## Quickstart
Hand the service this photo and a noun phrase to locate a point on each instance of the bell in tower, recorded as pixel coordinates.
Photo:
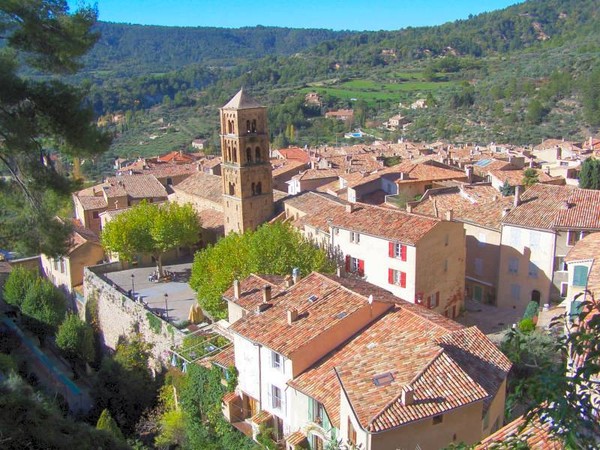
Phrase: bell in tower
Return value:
(246, 169)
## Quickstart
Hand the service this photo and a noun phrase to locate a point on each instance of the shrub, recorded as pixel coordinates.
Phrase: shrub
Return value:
(531, 311)
(107, 423)
(43, 308)
(76, 339)
(527, 325)
(17, 284)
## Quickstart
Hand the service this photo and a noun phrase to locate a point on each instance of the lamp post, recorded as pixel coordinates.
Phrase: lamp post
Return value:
(167, 306)
(132, 287)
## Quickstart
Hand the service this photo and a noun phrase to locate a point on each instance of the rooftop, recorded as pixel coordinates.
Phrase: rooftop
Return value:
(242, 100)
(203, 185)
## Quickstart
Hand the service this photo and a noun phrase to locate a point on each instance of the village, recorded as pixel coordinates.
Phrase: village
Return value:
(437, 257)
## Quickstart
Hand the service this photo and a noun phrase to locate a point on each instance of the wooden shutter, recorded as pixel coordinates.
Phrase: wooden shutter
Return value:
(580, 275)
(392, 248)
(403, 279)
(361, 268)
(347, 263)
(403, 252)
(391, 276)
(437, 298)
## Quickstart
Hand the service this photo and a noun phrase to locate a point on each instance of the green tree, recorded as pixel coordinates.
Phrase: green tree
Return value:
(152, 229)
(17, 284)
(43, 117)
(107, 423)
(506, 189)
(76, 339)
(43, 308)
(271, 249)
(530, 177)
(589, 177)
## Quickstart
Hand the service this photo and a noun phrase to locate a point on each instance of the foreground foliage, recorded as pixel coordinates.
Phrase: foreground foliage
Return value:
(76, 339)
(271, 249)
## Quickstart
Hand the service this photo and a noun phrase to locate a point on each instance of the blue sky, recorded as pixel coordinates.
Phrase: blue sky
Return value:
(331, 14)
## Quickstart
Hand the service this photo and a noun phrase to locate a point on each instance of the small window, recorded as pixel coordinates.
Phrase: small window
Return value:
(438, 419)
(351, 433)
(276, 362)
(559, 264)
(397, 277)
(564, 288)
(515, 291)
(383, 379)
(257, 154)
(580, 276)
(533, 270)
(96, 215)
(513, 265)
(354, 237)
(249, 154)
(573, 237)
(276, 398)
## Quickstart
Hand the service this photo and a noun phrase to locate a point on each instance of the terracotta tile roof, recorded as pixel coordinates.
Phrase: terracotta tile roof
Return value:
(251, 290)
(203, 185)
(295, 153)
(80, 236)
(317, 174)
(225, 358)
(135, 187)
(261, 417)
(537, 435)
(228, 397)
(478, 204)
(89, 202)
(212, 219)
(211, 162)
(271, 327)
(515, 175)
(427, 355)
(296, 438)
(427, 171)
(284, 166)
(553, 143)
(544, 206)
(171, 170)
(176, 157)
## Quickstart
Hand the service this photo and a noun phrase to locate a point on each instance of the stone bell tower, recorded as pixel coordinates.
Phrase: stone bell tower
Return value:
(246, 169)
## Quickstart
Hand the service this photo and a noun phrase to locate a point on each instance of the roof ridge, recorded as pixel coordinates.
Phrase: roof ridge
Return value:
(415, 313)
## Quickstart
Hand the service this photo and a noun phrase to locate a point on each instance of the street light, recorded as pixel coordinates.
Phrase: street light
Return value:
(167, 306)
(132, 287)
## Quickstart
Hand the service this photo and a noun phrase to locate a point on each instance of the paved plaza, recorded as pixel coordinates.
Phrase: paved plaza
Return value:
(179, 295)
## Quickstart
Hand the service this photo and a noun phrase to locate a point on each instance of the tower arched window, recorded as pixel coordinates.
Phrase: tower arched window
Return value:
(231, 189)
(247, 126)
(230, 127)
(229, 153)
(258, 188)
(253, 187)
(257, 154)
(234, 154)
(249, 154)
(253, 127)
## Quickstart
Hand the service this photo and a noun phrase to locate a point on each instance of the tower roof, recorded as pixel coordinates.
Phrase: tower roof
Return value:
(242, 100)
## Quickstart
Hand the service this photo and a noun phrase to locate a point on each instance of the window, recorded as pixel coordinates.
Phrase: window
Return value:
(355, 265)
(580, 275)
(446, 240)
(397, 277)
(276, 398)
(249, 154)
(515, 291)
(559, 264)
(96, 215)
(438, 419)
(478, 266)
(574, 236)
(446, 265)
(62, 265)
(533, 270)
(276, 362)
(257, 154)
(397, 251)
(351, 432)
(354, 237)
(564, 288)
(258, 188)
(55, 264)
(513, 265)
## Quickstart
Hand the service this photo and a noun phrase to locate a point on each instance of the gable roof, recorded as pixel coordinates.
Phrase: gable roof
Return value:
(537, 434)
(551, 207)
(203, 185)
(242, 100)
(134, 186)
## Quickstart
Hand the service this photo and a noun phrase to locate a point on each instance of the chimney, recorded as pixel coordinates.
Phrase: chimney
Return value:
(517, 195)
(505, 211)
(449, 215)
(236, 289)
(469, 172)
(565, 205)
(266, 293)
(349, 208)
(288, 281)
(409, 208)
(292, 316)
(338, 271)
(408, 395)
(295, 274)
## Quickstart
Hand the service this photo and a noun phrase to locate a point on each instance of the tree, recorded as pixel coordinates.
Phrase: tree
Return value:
(17, 284)
(76, 339)
(152, 229)
(589, 177)
(271, 249)
(506, 189)
(42, 117)
(530, 177)
(43, 308)
(107, 423)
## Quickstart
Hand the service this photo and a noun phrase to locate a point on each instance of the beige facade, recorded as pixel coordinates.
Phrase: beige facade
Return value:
(246, 170)
(483, 255)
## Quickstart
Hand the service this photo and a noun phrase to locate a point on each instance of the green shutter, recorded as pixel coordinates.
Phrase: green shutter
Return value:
(580, 276)
(311, 409)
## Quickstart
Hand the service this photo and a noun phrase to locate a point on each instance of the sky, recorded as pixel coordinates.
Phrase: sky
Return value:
(331, 14)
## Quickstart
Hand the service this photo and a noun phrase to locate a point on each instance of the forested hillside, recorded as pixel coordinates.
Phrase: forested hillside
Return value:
(519, 75)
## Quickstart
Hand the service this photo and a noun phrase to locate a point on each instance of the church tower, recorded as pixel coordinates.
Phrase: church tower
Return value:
(246, 169)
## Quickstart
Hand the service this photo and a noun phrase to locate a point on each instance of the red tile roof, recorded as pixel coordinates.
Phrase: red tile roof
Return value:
(536, 434)
(557, 207)
(203, 185)
(295, 153)
(251, 289)
(134, 186)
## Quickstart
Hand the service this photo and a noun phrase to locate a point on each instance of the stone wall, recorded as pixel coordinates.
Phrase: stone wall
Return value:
(118, 316)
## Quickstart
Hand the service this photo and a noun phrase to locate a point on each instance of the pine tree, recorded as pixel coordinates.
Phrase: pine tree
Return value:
(107, 423)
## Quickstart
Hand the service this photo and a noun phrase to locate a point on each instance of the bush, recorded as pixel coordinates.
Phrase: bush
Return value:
(43, 308)
(76, 339)
(531, 311)
(526, 325)
(17, 284)
(107, 423)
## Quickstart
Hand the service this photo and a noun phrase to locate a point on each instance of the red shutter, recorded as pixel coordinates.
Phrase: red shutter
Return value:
(403, 252)
(361, 268)
(347, 263)
(403, 279)
(391, 276)
(391, 247)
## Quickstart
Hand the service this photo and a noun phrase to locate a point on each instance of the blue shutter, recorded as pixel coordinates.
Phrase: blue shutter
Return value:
(580, 276)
